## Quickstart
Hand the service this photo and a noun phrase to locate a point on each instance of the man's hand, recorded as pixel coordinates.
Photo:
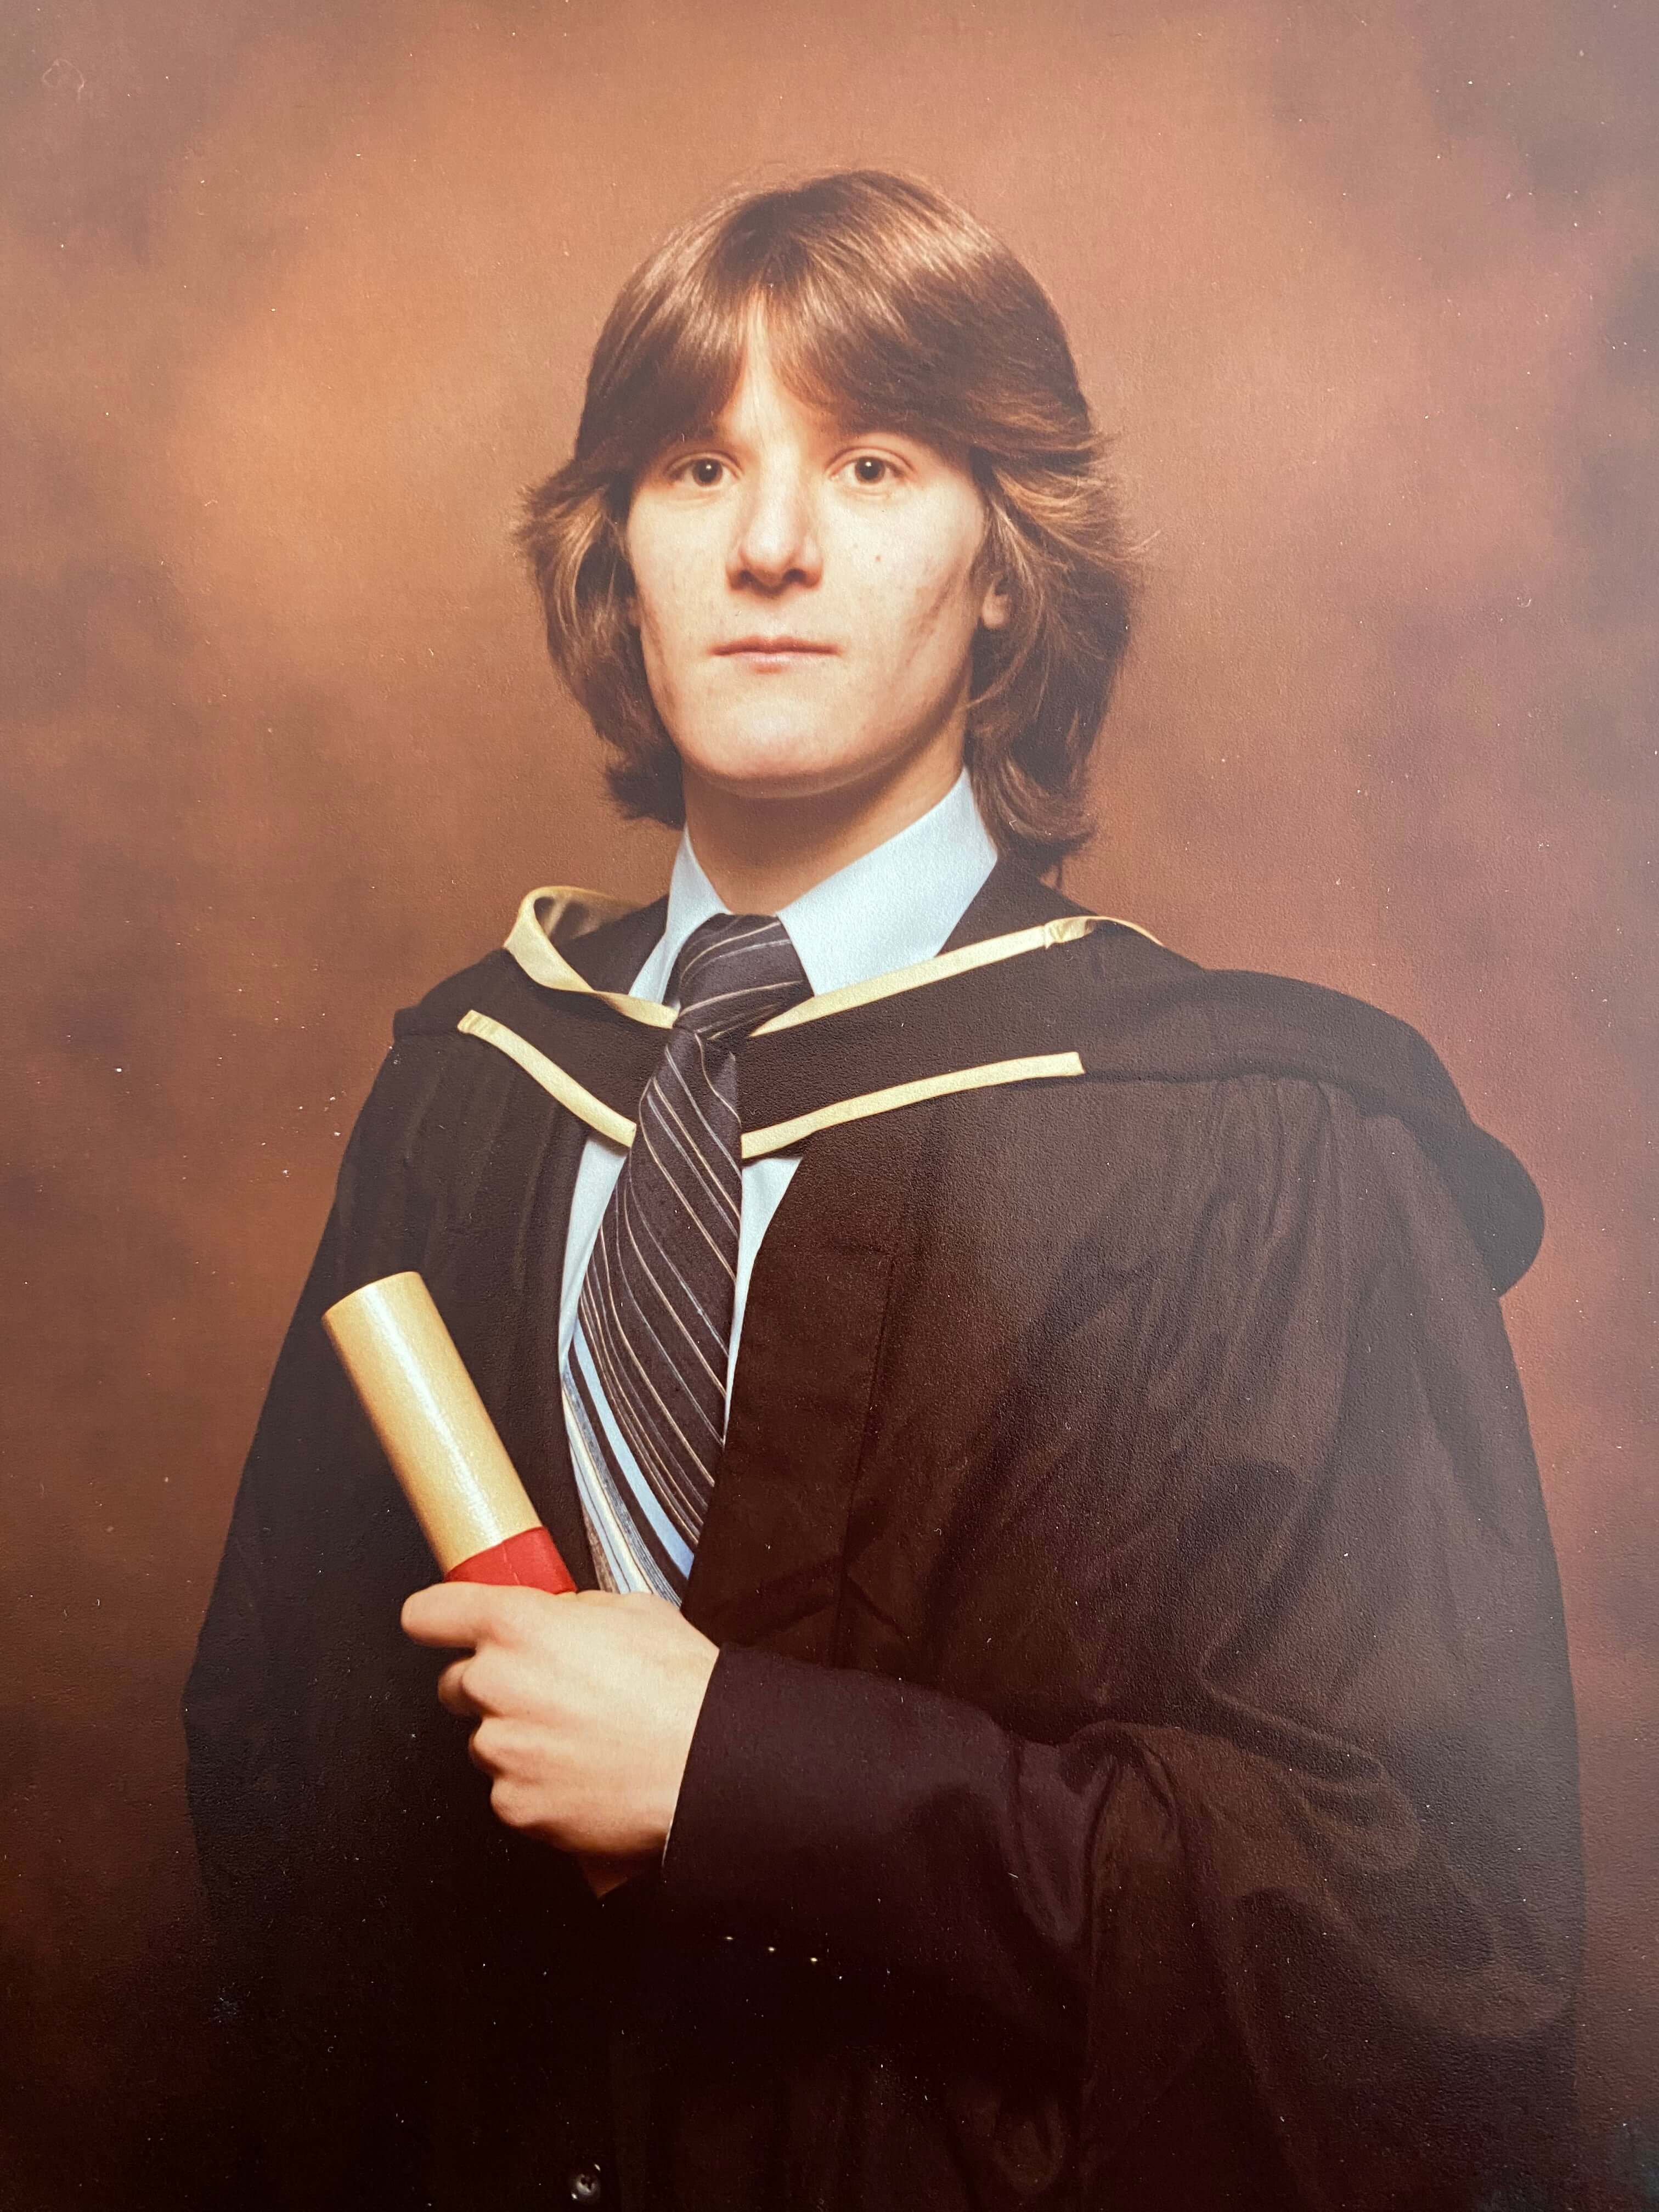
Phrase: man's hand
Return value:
(586, 1706)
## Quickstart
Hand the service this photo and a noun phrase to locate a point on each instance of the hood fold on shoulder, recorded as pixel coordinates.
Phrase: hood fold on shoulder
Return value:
(1060, 995)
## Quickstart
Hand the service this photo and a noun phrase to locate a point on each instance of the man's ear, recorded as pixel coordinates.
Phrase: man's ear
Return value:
(995, 608)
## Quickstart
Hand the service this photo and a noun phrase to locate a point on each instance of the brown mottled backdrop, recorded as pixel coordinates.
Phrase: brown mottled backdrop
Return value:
(298, 297)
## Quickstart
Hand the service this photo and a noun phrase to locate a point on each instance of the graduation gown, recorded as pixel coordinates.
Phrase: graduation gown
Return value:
(1140, 1767)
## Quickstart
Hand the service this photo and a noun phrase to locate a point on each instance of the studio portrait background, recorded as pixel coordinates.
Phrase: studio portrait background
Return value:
(301, 297)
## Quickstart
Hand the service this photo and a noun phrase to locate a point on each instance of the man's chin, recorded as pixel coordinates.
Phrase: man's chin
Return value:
(768, 770)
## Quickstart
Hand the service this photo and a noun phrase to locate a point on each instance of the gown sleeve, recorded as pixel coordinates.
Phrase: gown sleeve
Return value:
(241, 1704)
(1333, 1857)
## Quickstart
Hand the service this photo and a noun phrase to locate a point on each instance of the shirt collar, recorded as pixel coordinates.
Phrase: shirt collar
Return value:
(891, 907)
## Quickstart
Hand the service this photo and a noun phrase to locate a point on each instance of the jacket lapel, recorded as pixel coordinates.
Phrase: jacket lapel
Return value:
(768, 1565)
(532, 1418)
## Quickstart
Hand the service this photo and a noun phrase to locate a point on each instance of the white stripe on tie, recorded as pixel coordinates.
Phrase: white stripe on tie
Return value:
(654, 1321)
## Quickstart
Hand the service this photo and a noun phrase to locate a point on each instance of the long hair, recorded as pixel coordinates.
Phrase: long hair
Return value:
(892, 308)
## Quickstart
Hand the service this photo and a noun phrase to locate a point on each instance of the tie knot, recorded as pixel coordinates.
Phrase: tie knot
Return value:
(735, 972)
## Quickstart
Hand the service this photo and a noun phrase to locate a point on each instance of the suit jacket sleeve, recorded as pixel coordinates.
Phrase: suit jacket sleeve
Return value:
(1334, 1831)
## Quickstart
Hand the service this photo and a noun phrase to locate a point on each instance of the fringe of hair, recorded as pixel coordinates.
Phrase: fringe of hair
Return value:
(897, 279)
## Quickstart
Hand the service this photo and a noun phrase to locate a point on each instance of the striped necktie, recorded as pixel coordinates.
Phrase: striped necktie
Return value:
(644, 1380)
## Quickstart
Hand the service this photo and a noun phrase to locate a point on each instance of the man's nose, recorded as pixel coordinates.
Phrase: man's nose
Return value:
(776, 539)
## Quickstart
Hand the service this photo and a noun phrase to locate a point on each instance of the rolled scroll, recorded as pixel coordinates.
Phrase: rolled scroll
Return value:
(442, 1444)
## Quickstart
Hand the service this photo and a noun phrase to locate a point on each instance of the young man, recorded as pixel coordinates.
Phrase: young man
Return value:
(1068, 1703)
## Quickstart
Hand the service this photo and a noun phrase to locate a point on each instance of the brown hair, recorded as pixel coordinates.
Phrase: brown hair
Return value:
(894, 309)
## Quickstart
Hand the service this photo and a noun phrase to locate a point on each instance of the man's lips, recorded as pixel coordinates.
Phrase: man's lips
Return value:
(771, 647)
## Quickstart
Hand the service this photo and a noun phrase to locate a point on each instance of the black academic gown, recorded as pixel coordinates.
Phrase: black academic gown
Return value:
(1140, 1767)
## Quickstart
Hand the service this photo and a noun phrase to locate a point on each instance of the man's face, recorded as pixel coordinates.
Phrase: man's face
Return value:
(805, 598)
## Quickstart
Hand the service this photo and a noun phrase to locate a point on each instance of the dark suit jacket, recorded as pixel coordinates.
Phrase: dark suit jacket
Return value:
(1140, 1767)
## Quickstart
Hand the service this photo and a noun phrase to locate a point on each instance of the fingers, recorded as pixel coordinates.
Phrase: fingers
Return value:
(491, 1746)
(503, 1632)
(499, 1749)
(453, 1694)
(448, 1615)
(489, 1681)
(451, 1616)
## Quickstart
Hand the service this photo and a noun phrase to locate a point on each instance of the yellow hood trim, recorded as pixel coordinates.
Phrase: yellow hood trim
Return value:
(780, 1136)
(555, 914)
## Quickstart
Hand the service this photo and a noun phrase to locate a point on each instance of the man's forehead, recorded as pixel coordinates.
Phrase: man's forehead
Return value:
(830, 416)
(832, 412)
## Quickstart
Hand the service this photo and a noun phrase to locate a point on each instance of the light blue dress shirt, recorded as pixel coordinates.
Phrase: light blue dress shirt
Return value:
(893, 907)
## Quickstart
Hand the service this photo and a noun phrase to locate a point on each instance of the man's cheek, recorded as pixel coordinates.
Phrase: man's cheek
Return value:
(938, 594)
(661, 671)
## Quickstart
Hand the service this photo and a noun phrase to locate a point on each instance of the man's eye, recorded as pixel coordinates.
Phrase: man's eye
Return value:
(705, 471)
(872, 469)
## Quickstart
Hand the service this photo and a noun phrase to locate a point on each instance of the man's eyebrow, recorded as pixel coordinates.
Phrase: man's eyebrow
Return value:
(851, 425)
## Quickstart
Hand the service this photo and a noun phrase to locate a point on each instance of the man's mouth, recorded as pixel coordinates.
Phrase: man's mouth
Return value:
(780, 647)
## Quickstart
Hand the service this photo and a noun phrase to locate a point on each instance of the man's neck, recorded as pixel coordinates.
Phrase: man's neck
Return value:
(761, 854)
